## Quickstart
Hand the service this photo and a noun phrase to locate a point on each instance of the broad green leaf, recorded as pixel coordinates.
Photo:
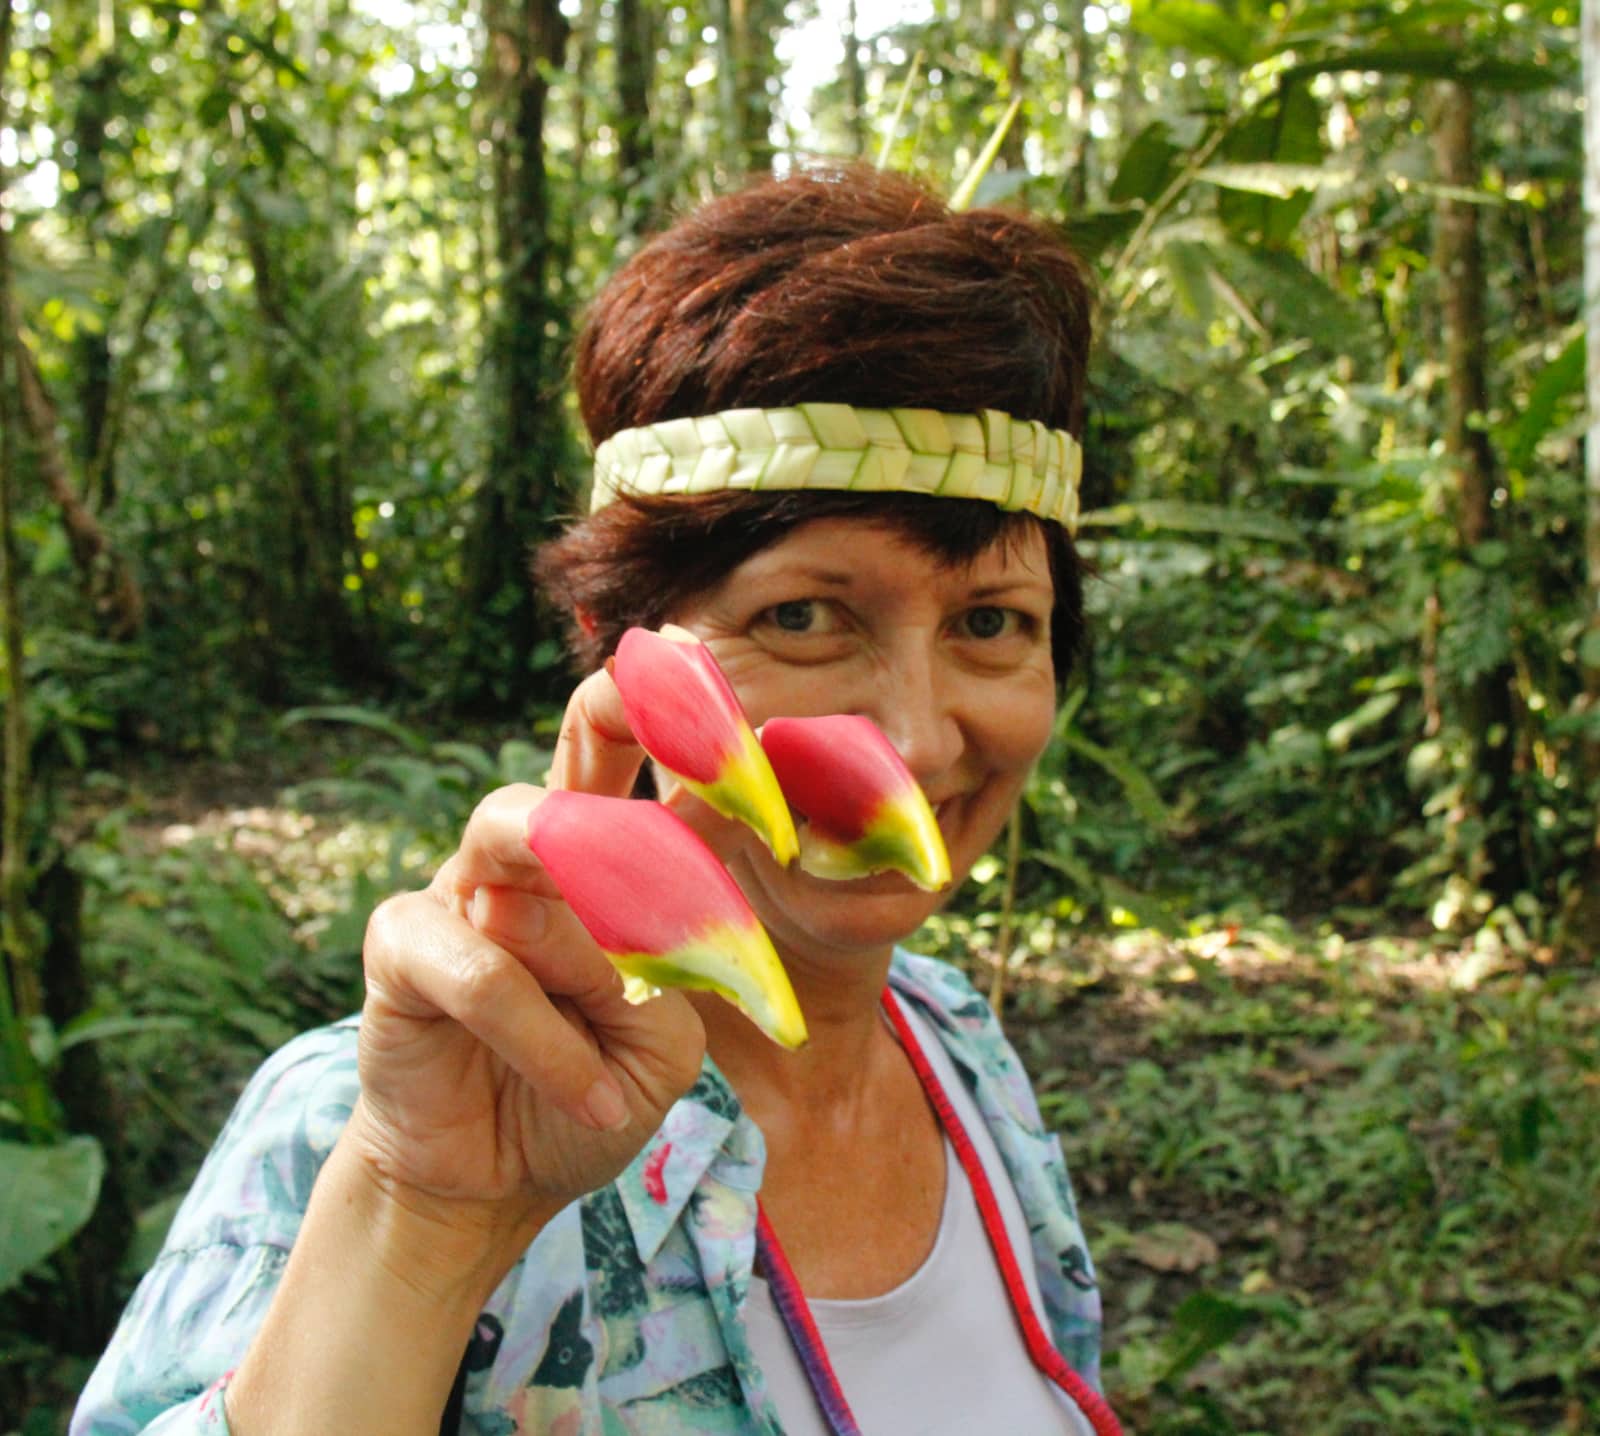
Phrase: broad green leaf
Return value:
(1141, 792)
(268, 1032)
(1147, 165)
(1201, 1324)
(46, 1195)
(1562, 376)
(359, 718)
(1439, 62)
(478, 762)
(1093, 231)
(95, 1028)
(1282, 181)
(1286, 129)
(1000, 185)
(519, 761)
(1071, 867)
(1147, 911)
(1368, 715)
(1292, 301)
(1199, 27)
(1589, 649)
(1187, 517)
(1189, 269)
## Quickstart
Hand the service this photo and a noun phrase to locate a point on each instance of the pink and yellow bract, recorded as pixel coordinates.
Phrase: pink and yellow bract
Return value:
(865, 812)
(687, 717)
(661, 906)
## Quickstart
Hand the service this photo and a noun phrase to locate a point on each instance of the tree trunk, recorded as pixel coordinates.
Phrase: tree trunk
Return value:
(741, 85)
(1582, 919)
(519, 498)
(1079, 98)
(88, 1300)
(103, 574)
(319, 529)
(1486, 711)
(1000, 19)
(21, 990)
(640, 200)
(96, 101)
(855, 81)
(20, 994)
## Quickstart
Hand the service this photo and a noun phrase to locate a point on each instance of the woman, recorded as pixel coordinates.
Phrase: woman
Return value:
(627, 1216)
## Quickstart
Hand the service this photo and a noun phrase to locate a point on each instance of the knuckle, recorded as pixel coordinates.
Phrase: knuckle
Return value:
(389, 923)
(482, 977)
(512, 796)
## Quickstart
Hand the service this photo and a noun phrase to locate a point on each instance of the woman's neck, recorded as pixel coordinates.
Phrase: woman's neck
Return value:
(841, 1000)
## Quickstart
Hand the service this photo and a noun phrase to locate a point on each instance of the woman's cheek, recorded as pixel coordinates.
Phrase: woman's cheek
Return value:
(1024, 719)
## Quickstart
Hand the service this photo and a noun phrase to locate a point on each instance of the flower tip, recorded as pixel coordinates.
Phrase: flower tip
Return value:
(867, 813)
(684, 712)
(660, 906)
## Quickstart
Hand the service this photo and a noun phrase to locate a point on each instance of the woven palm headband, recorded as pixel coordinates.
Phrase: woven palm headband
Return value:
(1015, 463)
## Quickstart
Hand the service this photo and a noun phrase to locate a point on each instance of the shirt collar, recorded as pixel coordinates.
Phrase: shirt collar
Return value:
(707, 1126)
(704, 1127)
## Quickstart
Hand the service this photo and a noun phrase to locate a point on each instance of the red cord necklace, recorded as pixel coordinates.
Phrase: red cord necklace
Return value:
(795, 1312)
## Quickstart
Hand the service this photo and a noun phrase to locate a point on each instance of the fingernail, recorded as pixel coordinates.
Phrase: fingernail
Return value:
(607, 1111)
(478, 909)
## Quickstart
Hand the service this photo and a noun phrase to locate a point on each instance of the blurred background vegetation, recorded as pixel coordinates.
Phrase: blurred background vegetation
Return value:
(1296, 927)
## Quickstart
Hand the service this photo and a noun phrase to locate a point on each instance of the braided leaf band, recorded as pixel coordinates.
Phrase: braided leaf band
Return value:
(1015, 463)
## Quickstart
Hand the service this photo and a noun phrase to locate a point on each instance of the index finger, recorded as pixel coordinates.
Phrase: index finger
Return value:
(596, 752)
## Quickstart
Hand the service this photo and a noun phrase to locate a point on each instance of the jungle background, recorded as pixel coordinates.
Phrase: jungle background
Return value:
(1296, 925)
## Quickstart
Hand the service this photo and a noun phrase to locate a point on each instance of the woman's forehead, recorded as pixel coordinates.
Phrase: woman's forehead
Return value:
(840, 551)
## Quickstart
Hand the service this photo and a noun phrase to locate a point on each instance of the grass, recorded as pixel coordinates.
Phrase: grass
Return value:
(1332, 1187)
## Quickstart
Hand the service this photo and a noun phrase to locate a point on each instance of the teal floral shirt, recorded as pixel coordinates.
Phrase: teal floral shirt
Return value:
(624, 1316)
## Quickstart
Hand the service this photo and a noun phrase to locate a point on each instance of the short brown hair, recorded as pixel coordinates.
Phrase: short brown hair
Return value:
(842, 285)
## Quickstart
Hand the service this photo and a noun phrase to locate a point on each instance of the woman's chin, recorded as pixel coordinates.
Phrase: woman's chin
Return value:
(851, 915)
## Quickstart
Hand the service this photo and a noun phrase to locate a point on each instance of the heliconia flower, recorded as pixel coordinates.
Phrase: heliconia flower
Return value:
(687, 717)
(864, 811)
(660, 905)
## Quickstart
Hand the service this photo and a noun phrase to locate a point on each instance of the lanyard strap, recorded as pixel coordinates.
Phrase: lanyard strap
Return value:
(795, 1312)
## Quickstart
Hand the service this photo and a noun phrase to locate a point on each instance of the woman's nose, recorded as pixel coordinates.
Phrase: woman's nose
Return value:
(910, 703)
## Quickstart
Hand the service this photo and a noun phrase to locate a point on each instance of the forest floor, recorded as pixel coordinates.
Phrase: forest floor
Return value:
(1332, 1185)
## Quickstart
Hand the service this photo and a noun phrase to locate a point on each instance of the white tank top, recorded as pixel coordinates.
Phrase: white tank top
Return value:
(941, 1354)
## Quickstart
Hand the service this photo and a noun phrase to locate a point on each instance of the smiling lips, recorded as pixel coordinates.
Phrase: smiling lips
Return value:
(650, 892)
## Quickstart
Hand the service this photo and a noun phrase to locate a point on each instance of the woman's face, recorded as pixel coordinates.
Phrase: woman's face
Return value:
(953, 663)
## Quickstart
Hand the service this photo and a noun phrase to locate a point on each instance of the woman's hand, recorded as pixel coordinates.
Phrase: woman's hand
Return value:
(500, 1063)
(502, 1076)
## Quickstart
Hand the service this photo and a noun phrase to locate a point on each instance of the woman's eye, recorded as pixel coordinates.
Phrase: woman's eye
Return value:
(991, 622)
(795, 616)
(811, 617)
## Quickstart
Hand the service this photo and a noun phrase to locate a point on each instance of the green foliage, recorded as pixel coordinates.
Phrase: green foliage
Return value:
(424, 793)
(1378, 1164)
(46, 1195)
(263, 292)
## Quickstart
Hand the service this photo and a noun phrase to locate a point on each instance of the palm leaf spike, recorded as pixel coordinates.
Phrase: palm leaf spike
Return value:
(980, 166)
(899, 109)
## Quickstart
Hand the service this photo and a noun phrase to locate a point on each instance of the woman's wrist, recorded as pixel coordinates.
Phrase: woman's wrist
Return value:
(451, 1249)
(376, 1303)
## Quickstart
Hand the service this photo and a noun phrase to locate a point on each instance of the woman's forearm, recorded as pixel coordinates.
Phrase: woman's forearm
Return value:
(376, 1305)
